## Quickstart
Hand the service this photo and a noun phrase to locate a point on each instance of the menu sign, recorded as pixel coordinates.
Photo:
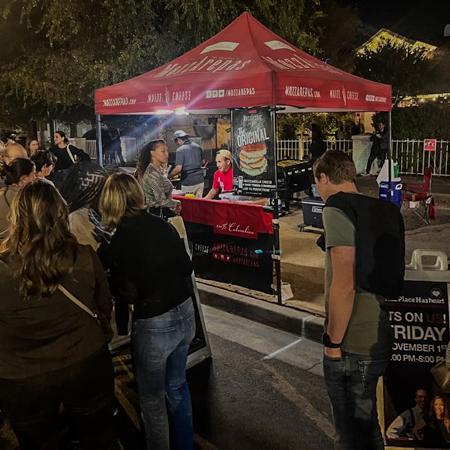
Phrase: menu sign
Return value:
(253, 152)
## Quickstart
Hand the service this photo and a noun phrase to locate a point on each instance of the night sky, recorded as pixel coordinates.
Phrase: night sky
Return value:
(417, 19)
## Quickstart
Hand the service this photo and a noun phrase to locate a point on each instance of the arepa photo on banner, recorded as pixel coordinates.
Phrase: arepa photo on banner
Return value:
(253, 152)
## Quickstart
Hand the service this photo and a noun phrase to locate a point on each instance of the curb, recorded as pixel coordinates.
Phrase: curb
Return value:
(270, 314)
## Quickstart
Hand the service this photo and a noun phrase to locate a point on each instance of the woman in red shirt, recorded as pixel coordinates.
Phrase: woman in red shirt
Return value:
(223, 176)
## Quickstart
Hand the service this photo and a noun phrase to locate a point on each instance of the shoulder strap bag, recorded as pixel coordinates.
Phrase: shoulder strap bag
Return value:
(77, 302)
(70, 153)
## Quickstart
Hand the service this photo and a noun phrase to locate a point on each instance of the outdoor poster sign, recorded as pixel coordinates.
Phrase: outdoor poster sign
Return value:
(231, 242)
(429, 145)
(416, 411)
(253, 152)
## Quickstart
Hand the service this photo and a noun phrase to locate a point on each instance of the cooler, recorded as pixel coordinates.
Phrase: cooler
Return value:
(312, 212)
(397, 194)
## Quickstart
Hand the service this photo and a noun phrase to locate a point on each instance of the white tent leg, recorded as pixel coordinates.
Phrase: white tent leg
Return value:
(98, 122)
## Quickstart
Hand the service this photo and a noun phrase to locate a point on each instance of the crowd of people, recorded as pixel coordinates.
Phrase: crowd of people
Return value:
(73, 240)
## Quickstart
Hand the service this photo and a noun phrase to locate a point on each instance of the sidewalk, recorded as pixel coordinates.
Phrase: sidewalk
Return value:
(440, 187)
(302, 265)
(435, 236)
(284, 318)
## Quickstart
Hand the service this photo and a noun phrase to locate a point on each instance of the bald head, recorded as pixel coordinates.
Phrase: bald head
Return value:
(12, 151)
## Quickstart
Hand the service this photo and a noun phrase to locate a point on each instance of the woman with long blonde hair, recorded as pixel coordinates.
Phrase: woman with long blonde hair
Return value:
(151, 269)
(54, 326)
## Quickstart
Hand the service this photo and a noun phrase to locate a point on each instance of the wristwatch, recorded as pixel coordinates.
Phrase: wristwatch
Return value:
(326, 341)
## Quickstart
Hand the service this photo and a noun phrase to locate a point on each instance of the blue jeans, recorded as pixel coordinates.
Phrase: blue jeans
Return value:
(160, 350)
(352, 382)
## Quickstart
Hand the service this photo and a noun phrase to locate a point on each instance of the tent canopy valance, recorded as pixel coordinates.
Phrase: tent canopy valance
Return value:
(244, 65)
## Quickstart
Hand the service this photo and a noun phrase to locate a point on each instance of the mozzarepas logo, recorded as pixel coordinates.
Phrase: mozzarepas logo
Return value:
(118, 101)
(301, 91)
(210, 64)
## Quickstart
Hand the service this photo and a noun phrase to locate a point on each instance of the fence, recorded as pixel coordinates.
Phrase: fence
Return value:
(296, 149)
(410, 155)
(412, 159)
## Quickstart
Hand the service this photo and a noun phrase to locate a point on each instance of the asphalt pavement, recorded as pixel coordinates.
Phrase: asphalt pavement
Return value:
(263, 389)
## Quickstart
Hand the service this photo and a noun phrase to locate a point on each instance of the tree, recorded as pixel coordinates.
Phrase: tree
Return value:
(339, 30)
(61, 52)
(409, 70)
(293, 126)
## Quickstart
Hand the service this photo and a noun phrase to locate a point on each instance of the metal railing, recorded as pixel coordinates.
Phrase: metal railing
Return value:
(413, 159)
(410, 154)
(296, 149)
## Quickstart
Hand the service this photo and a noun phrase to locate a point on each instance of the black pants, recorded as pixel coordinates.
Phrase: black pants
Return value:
(374, 154)
(85, 390)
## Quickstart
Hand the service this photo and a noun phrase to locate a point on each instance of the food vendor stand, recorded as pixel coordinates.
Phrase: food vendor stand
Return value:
(254, 74)
(243, 67)
(247, 70)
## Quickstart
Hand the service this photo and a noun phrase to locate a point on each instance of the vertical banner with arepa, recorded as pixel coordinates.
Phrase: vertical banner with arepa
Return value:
(253, 152)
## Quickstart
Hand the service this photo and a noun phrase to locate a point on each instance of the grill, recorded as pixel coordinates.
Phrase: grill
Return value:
(294, 175)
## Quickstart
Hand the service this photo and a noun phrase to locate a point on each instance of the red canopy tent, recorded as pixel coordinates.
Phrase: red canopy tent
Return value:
(245, 65)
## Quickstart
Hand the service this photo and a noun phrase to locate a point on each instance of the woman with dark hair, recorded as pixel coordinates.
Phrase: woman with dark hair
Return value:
(155, 183)
(54, 328)
(437, 431)
(20, 172)
(81, 190)
(44, 161)
(150, 268)
(33, 146)
(67, 155)
(143, 162)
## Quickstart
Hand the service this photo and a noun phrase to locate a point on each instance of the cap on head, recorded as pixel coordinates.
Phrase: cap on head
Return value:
(225, 153)
(180, 134)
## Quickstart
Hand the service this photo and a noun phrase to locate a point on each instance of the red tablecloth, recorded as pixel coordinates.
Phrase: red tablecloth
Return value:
(241, 219)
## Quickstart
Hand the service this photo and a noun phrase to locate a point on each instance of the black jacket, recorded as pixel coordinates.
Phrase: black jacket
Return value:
(380, 242)
(148, 264)
(64, 160)
(317, 149)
